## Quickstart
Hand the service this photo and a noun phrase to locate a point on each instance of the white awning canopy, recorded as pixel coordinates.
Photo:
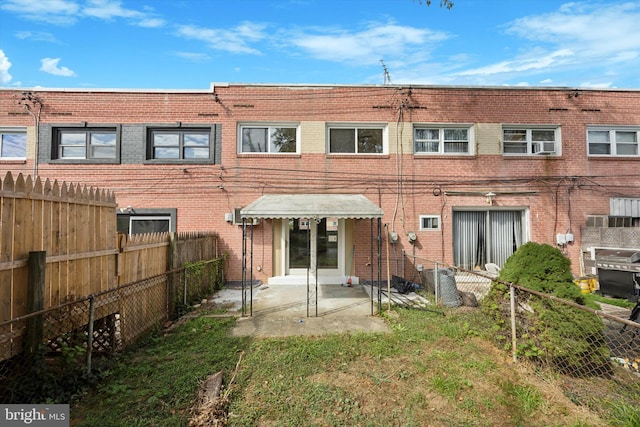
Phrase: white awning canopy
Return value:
(345, 206)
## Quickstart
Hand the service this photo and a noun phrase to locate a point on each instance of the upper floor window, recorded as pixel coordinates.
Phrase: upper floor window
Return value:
(85, 143)
(13, 143)
(441, 140)
(357, 140)
(526, 141)
(613, 142)
(179, 144)
(272, 139)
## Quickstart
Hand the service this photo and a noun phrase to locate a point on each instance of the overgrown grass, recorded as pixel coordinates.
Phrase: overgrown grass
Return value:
(429, 370)
(155, 385)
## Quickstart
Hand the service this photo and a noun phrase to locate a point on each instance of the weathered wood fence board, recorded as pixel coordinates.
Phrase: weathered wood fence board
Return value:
(76, 227)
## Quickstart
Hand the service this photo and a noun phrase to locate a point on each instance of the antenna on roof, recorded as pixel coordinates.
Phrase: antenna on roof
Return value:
(387, 76)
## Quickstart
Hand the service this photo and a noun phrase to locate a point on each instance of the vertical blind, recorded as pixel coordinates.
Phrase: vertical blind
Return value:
(480, 237)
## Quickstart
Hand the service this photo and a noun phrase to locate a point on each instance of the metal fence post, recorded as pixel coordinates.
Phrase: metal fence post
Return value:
(92, 300)
(185, 287)
(436, 281)
(512, 293)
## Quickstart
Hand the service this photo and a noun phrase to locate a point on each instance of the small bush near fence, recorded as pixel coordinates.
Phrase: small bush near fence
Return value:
(77, 337)
(563, 336)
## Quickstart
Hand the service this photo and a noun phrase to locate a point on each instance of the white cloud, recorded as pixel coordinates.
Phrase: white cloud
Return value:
(50, 65)
(369, 45)
(37, 36)
(234, 40)
(111, 9)
(67, 12)
(50, 11)
(603, 85)
(591, 30)
(5, 77)
(523, 64)
(193, 56)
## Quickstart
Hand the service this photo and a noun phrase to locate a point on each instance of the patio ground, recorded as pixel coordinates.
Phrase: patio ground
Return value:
(286, 310)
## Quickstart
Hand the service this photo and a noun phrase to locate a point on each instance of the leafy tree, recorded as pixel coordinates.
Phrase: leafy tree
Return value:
(285, 140)
(443, 3)
(567, 338)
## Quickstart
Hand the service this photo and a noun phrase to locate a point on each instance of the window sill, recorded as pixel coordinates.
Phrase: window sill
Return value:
(444, 156)
(269, 155)
(178, 162)
(13, 161)
(615, 158)
(84, 162)
(532, 157)
(356, 156)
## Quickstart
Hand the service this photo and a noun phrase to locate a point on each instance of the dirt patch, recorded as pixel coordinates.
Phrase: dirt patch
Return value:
(410, 381)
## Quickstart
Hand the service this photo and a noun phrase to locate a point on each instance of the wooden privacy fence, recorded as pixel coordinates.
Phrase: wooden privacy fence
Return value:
(73, 229)
(75, 226)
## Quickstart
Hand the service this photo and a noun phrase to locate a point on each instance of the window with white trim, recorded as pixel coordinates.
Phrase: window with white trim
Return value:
(268, 139)
(441, 140)
(365, 139)
(139, 221)
(429, 222)
(81, 143)
(613, 141)
(523, 141)
(13, 143)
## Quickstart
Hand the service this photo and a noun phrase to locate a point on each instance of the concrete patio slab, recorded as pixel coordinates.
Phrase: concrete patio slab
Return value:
(288, 310)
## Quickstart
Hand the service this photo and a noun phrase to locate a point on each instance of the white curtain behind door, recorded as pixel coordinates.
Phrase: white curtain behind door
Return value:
(480, 237)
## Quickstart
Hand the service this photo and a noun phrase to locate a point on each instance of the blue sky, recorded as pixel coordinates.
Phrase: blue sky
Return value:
(187, 44)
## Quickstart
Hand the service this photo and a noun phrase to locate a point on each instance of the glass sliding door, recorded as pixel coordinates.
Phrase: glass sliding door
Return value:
(480, 237)
(313, 244)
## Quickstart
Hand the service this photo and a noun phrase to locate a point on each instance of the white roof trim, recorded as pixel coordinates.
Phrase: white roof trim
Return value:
(345, 206)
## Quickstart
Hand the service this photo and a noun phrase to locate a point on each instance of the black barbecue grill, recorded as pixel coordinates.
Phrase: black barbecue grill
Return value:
(619, 272)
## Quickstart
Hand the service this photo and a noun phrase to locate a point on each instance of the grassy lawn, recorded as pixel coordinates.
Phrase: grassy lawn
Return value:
(430, 370)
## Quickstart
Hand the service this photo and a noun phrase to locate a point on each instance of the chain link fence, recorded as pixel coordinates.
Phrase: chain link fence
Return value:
(572, 339)
(49, 355)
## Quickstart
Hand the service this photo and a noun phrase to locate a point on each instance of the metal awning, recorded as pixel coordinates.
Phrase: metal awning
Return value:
(345, 206)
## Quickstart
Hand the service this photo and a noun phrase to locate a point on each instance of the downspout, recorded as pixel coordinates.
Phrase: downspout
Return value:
(36, 123)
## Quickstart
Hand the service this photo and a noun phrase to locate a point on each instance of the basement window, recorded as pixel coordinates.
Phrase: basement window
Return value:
(429, 222)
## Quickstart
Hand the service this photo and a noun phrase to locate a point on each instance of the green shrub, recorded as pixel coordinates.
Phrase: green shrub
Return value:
(565, 337)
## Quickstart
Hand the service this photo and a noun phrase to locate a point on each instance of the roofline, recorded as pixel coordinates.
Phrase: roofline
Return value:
(214, 85)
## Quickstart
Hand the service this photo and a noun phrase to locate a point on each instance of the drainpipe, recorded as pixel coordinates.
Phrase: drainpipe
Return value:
(30, 101)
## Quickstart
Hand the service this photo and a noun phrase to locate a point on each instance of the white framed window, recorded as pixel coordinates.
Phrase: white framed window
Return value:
(357, 139)
(524, 140)
(13, 143)
(605, 141)
(139, 221)
(269, 138)
(429, 222)
(442, 140)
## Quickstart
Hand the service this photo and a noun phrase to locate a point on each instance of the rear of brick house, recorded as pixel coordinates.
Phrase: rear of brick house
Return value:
(462, 175)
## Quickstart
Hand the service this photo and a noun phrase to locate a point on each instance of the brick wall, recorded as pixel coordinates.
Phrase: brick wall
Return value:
(563, 189)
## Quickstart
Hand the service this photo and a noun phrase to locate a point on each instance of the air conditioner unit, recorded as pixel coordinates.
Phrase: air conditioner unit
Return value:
(597, 221)
(544, 147)
(237, 220)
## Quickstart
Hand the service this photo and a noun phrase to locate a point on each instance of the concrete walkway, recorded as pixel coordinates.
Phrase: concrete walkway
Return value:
(288, 310)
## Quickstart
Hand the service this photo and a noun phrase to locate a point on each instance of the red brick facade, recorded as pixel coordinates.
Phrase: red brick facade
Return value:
(556, 192)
